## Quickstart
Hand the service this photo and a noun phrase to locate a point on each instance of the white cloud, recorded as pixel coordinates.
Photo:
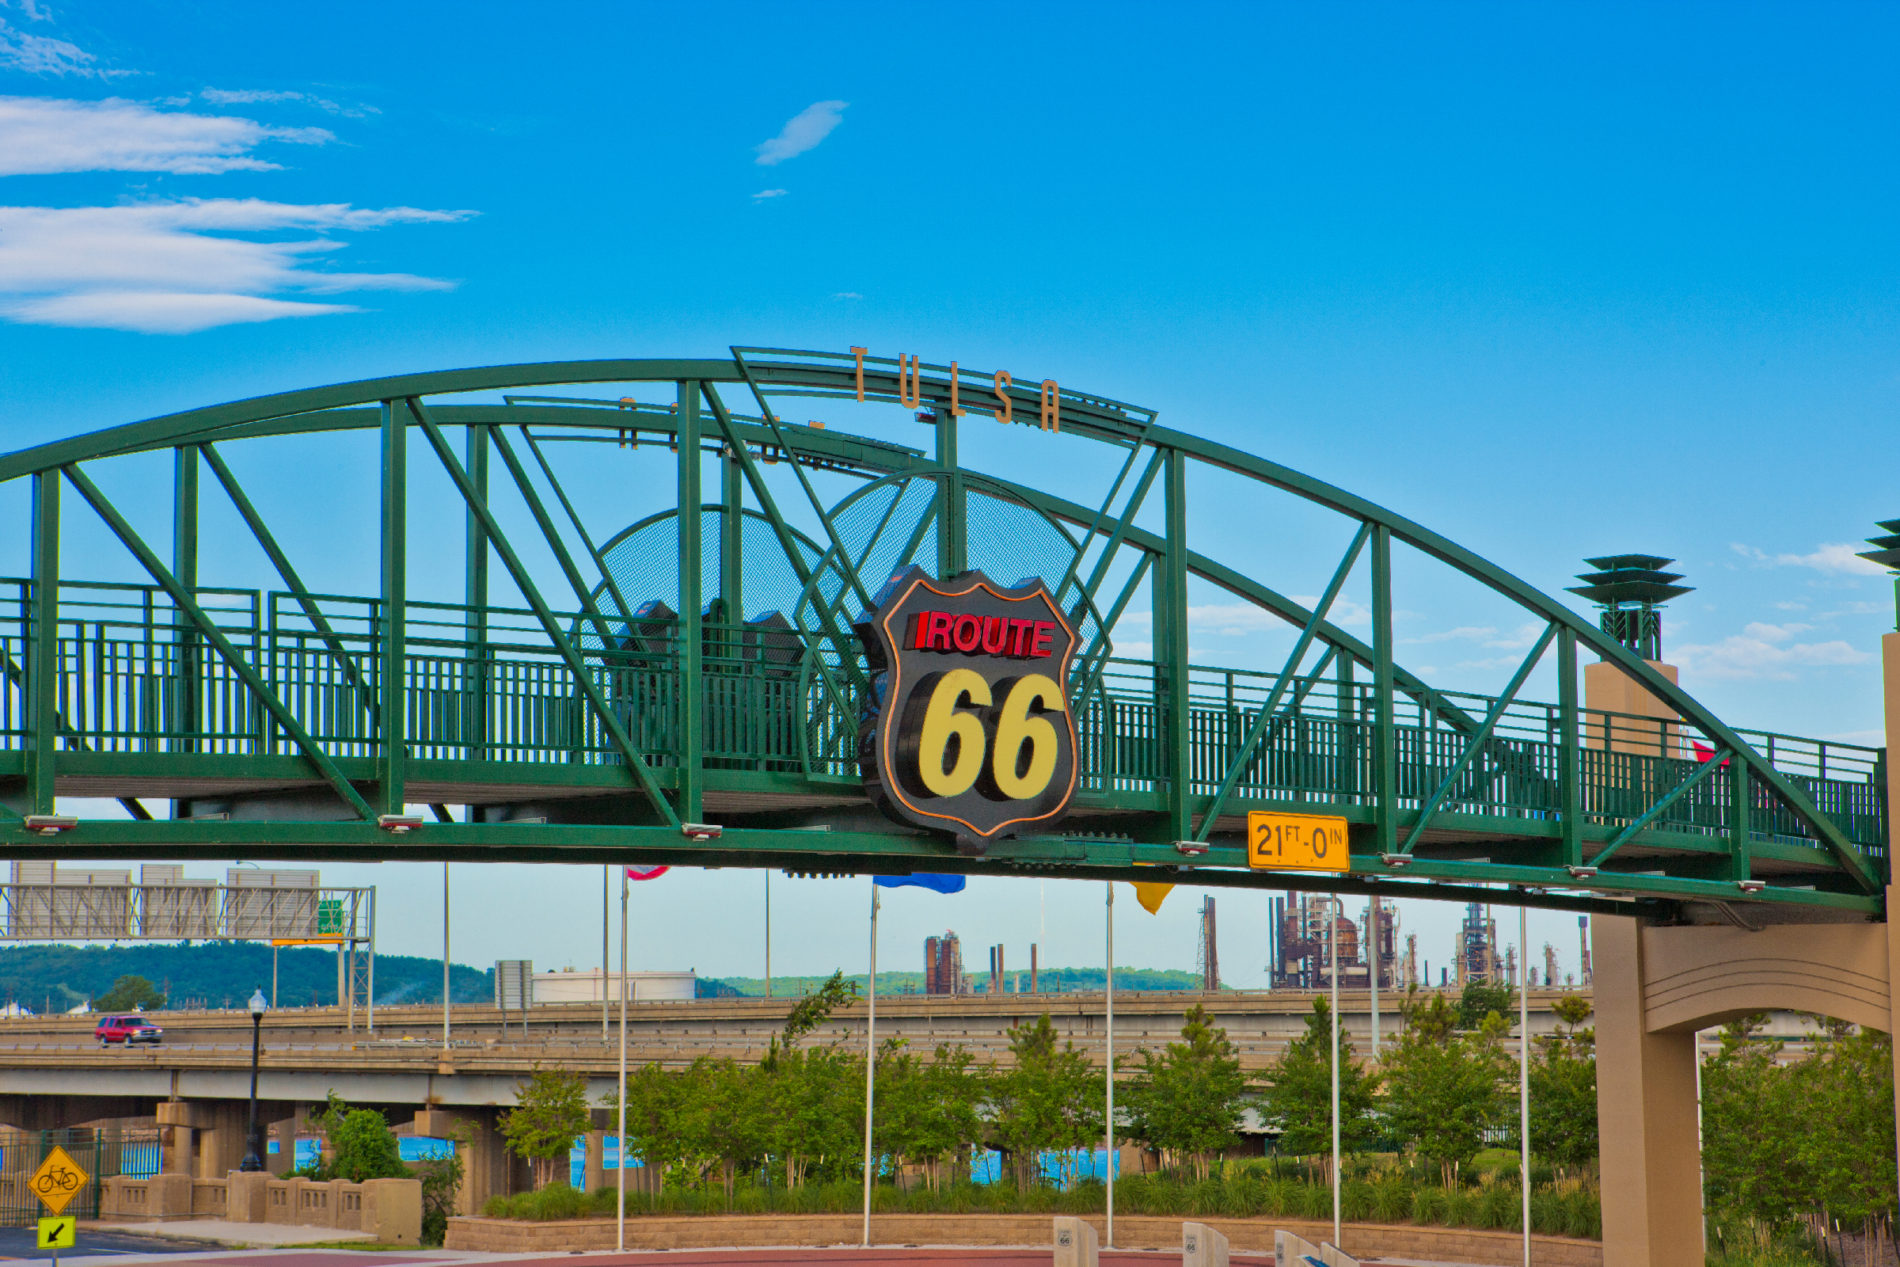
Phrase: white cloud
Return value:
(1345, 610)
(176, 267)
(41, 135)
(1232, 620)
(157, 312)
(259, 96)
(802, 132)
(1766, 651)
(44, 55)
(34, 11)
(1831, 557)
(847, 294)
(763, 194)
(1451, 635)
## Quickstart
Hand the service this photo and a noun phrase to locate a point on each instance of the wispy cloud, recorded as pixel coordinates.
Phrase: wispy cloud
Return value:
(44, 55)
(763, 194)
(1763, 650)
(177, 267)
(34, 11)
(1834, 558)
(259, 96)
(802, 132)
(41, 135)
(847, 294)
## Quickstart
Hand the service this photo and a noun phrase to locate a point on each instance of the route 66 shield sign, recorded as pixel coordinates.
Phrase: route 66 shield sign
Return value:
(969, 730)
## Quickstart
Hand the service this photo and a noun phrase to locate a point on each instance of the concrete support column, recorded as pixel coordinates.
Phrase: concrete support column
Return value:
(595, 1175)
(1646, 1114)
(487, 1164)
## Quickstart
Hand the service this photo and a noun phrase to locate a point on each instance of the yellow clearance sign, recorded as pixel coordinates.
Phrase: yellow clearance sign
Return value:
(58, 1180)
(1297, 842)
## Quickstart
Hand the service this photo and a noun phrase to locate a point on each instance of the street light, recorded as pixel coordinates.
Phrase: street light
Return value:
(254, 1158)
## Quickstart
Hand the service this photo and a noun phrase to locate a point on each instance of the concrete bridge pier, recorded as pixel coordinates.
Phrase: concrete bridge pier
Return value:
(489, 1169)
(1657, 986)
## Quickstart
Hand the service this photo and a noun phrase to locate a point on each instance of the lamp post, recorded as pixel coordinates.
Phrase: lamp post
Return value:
(254, 1157)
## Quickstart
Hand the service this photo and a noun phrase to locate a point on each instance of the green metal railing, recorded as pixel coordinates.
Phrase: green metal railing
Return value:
(133, 679)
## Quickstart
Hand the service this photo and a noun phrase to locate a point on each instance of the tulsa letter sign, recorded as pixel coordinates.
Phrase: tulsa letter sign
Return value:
(971, 732)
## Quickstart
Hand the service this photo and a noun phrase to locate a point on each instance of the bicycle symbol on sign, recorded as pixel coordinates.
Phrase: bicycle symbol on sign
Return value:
(57, 1179)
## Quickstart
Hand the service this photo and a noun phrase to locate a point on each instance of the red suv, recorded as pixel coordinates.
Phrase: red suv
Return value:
(127, 1030)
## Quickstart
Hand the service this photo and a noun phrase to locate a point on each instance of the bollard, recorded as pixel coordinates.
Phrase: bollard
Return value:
(1294, 1251)
(1075, 1244)
(1202, 1246)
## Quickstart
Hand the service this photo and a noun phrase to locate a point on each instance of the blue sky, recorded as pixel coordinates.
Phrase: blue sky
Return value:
(1553, 280)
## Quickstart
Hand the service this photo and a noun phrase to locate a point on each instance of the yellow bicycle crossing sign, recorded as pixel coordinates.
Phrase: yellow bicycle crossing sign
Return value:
(58, 1180)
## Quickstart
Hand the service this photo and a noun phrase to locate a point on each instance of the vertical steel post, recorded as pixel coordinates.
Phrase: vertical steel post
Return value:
(1175, 698)
(1346, 710)
(1569, 750)
(606, 900)
(768, 932)
(1524, 1072)
(1108, 1029)
(188, 642)
(1385, 765)
(475, 603)
(692, 694)
(1738, 822)
(445, 956)
(369, 979)
(870, 1064)
(1372, 974)
(620, 1096)
(953, 547)
(1332, 963)
(42, 663)
(391, 710)
(731, 552)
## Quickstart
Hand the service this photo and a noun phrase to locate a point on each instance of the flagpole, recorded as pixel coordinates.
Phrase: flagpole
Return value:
(1332, 954)
(768, 932)
(445, 956)
(1372, 975)
(620, 1210)
(1524, 1075)
(606, 898)
(1108, 1121)
(870, 1064)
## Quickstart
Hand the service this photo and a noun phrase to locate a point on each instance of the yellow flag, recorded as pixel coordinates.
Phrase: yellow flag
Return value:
(1151, 894)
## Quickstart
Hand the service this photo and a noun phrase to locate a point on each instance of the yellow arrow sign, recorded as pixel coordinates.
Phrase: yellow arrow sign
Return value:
(58, 1180)
(60, 1233)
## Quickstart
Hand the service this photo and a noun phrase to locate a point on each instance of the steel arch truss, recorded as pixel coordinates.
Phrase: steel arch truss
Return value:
(587, 723)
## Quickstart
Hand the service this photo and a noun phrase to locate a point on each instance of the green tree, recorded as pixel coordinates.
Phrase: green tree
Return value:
(1445, 1089)
(812, 1011)
(1185, 1103)
(361, 1144)
(1049, 1100)
(550, 1110)
(128, 993)
(441, 1178)
(1298, 1095)
(1564, 1089)
(1479, 1001)
(927, 1110)
(816, 1104)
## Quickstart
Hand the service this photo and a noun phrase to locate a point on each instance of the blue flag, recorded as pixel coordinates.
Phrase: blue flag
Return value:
(934, 881)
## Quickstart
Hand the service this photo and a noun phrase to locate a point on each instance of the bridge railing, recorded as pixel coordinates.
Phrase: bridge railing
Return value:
(488, 685)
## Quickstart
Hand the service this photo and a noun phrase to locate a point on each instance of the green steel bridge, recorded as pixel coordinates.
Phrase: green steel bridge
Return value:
(573, 715)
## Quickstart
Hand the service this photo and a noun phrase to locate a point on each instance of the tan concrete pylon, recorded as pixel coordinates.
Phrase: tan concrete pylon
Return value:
(1656, 986)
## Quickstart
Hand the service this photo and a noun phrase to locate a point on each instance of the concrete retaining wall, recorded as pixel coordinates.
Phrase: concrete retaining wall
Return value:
(389, 1209)
(1367, 1240)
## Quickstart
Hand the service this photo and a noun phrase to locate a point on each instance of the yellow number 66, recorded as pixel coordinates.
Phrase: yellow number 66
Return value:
(1018, 777)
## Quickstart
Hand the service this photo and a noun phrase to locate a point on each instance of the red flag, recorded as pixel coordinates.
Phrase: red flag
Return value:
(646, 873)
